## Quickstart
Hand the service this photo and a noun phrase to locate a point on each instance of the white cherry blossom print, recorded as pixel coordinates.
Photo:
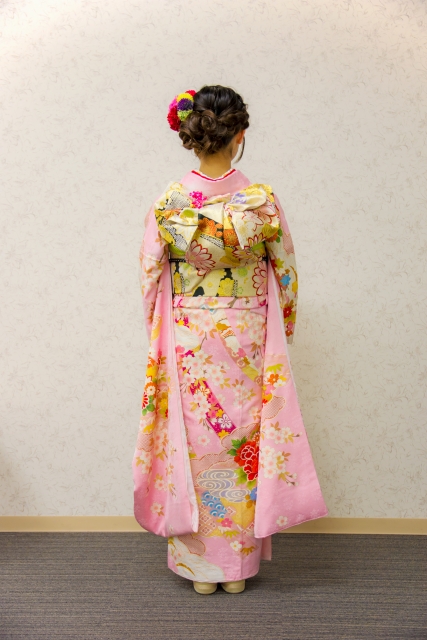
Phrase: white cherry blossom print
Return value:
(257, 328)
(201, 403)
(160, 483)
(280, 462)
(144, 461)
(203, 440)
(225, 422)
(160, 440)
(269, 472)
(280, 434)
(265, 453)
(187, 361)
(157, 508)
(197, 370)
(242, 392)
(221, 399)
(216, 376)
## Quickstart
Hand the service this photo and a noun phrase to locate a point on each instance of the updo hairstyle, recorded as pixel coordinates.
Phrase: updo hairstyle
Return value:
(218, 114)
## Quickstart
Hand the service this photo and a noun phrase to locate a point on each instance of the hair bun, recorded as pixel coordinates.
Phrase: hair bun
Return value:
(208, 121)
(217, 114)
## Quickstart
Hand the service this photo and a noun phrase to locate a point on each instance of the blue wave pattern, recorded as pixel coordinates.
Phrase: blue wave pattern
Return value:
(216, 508)
(220, 483)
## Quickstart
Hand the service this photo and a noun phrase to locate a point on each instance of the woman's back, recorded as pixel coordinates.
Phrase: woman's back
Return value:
(220, 233)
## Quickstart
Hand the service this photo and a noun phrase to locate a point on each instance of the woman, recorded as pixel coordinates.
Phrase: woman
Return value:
(222, 459)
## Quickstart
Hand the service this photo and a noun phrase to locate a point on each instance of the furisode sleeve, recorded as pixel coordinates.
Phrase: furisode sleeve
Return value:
(281, 253)
(153, 255)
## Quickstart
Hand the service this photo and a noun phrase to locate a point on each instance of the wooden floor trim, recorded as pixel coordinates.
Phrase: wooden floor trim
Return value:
(390, 526)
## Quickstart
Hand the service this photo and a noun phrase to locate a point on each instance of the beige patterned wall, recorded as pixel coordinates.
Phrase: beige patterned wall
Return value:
(338, 100)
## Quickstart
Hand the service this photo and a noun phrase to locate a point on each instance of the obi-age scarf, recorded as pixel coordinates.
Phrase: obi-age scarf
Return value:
(287, 493)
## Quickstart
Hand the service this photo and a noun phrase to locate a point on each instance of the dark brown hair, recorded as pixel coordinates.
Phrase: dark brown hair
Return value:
(218, 114)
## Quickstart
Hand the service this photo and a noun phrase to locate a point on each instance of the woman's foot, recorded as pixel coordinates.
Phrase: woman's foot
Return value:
(233, 587)
(205, 587)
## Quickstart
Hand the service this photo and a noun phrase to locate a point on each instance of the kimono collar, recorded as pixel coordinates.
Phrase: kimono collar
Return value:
(230, 182)
(251, 212)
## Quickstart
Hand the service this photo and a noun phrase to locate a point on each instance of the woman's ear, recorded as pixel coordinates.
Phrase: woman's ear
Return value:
(240, 136)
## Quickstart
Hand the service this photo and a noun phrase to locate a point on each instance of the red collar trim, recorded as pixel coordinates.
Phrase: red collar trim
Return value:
(202, 175)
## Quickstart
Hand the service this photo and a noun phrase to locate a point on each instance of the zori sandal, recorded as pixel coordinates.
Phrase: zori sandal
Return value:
(234, 587)
(205, 587)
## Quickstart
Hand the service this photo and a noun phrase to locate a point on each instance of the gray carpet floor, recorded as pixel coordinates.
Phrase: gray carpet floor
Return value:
(117, 586)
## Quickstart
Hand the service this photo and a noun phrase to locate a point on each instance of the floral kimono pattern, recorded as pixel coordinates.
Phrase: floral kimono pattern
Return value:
(222, 459)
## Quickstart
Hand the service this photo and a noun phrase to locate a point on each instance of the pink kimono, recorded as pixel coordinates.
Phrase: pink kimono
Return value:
(222, 459)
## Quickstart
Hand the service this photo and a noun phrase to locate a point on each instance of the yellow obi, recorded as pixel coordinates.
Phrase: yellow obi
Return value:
(216, 245)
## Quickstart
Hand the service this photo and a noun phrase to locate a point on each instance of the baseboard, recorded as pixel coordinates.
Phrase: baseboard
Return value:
(127, 524)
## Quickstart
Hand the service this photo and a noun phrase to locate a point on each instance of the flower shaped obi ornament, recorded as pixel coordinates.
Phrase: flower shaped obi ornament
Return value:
(251, 212)
(198, 199)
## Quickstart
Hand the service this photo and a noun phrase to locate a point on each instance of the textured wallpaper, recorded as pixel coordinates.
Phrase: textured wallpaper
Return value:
(337, 93)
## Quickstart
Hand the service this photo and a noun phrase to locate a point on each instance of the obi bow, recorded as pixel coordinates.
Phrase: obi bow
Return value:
(181, 226)
(251, 212)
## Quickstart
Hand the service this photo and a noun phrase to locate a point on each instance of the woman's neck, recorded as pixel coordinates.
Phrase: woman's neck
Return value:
(215, 166)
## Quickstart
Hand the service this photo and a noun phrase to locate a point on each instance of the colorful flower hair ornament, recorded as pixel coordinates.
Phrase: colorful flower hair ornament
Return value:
(180, 107)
